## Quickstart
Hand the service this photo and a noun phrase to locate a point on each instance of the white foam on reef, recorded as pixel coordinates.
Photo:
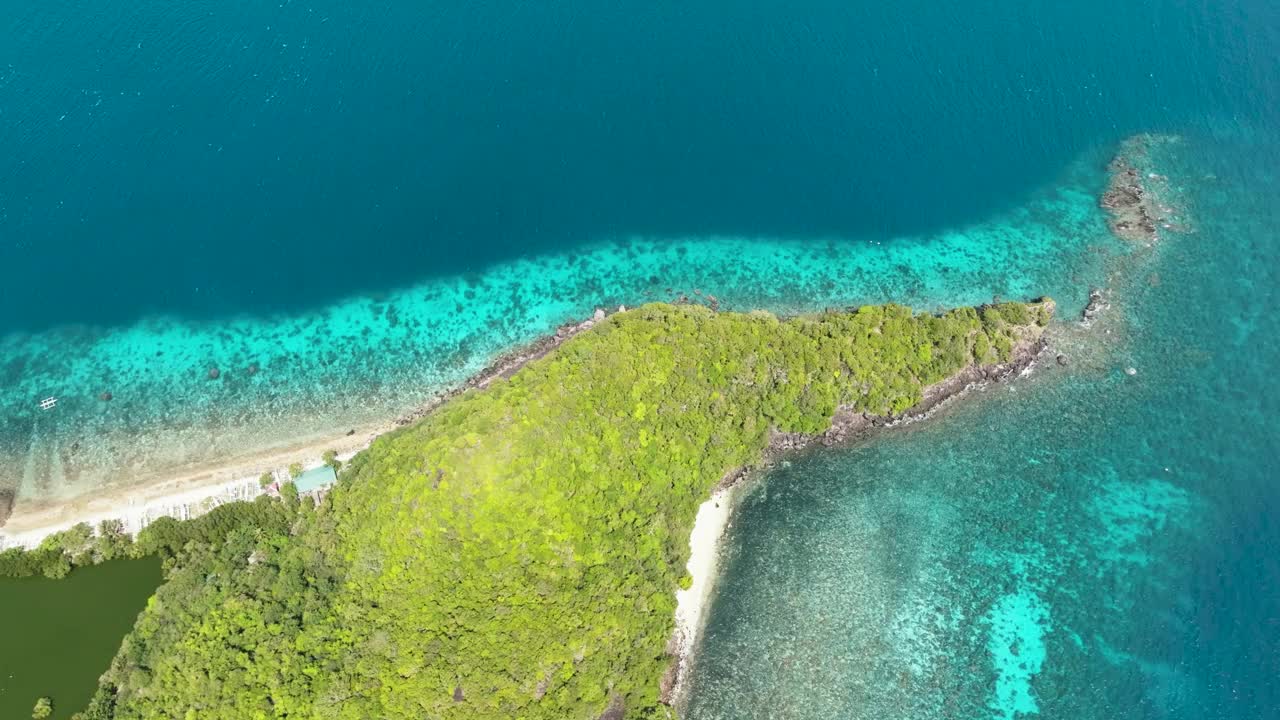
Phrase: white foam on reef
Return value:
(361, 362)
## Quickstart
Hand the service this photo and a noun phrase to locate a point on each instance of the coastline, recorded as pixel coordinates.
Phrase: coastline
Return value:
(201, 488)
(692, 603)
(181, 497)
(200, 491)
(715, 515)
(1138, 209)
(170, 424)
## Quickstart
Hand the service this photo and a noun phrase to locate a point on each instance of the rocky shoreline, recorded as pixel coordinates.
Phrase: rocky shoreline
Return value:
(507, 364)
(1139, 204)
(847, 426)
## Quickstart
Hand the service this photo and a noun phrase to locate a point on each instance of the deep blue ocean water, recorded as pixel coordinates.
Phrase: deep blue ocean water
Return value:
(369, 201)
(208, 159)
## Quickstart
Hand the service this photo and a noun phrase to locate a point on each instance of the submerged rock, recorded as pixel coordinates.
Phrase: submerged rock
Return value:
(1135, 212)
(1097, 304)
(1125, 199)
(105, 396)
(214, 373)
(6, 505)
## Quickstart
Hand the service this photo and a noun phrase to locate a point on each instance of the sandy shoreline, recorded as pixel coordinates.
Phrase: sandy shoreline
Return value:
(192, 491)
(199, 491)
(1133, 219)
(714, 516)
(180, 497)
(692, 603)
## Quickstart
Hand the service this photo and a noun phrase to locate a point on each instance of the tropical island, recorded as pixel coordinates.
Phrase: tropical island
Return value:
(516, 552)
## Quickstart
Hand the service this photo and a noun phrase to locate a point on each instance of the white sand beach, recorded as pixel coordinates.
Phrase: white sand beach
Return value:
(692, 604)
(201, 487)
(183, 496)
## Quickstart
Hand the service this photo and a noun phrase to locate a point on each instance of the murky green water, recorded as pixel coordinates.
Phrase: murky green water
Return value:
(58, 636)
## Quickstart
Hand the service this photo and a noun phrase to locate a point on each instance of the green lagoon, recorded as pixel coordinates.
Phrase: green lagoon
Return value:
(60, 635)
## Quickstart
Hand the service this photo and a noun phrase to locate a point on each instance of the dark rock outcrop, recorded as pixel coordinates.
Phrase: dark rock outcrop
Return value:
(616, 711)
(849, 424)
(669, 682)
(1133, 215)
(1135, 198)
(1097, 304)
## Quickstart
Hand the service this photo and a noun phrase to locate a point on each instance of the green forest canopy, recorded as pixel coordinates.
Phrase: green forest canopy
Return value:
(515, 553)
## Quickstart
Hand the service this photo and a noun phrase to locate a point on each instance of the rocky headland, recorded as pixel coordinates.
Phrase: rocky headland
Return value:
(849, 424)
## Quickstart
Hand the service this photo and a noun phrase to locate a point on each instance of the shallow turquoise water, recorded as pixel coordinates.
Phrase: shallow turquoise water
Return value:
(365, 360)
(368, 202)
(1079, 543)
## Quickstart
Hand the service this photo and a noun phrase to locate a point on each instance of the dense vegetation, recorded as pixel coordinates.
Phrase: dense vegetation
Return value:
(61, 552)
(82, 545)
(514, 555)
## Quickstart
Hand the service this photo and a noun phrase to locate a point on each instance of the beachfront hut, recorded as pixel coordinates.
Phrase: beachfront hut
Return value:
(315, 479)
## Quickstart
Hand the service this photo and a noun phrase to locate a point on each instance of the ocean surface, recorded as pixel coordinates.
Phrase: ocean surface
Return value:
(1079, 543)
(347, 207)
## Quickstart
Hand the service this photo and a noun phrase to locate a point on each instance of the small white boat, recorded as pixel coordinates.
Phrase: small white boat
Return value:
(48, 403)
